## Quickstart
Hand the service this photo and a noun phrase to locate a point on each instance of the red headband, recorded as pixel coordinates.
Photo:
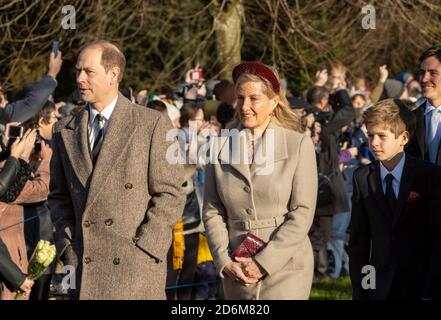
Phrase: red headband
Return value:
(257, 69)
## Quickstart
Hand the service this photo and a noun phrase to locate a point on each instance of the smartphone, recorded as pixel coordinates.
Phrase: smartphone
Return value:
(15, 132)
(37, 145)
(55, 47)
(196, 75)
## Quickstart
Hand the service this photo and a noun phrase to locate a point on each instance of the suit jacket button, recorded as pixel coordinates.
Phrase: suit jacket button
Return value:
(250, 211)
(86, 224)
(108, 222)
(128, 186)
(247, 189)
(116, 261)
(87, 260)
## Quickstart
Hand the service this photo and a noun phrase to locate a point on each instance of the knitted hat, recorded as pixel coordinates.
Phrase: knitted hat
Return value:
(393, 88)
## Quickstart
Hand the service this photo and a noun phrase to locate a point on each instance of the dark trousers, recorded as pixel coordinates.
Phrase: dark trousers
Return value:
(319, 235)
(40, 290)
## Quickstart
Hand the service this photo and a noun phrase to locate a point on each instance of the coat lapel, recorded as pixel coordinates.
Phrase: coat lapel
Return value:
(270, 149)
(374, 181)
(121, 129)
(421, 130)
(407, 179)
(76, 143)
(232, 153)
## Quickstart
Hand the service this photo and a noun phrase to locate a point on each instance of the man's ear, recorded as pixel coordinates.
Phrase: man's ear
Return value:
(41, 122)
(114, 74)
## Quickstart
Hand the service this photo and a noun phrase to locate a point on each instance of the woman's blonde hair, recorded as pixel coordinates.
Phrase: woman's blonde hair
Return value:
(283, 115)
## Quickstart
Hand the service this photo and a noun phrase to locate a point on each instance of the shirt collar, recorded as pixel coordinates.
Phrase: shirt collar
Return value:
(430, 107)
(106, 113)
(396, 172)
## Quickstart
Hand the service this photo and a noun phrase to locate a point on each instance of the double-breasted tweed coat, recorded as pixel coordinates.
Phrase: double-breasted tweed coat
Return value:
(115, 219)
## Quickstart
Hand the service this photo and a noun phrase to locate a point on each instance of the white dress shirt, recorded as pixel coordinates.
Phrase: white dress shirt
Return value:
(106, 113)
(396, 172)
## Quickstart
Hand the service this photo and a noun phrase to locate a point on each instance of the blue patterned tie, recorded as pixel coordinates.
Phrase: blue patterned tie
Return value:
(435, 118)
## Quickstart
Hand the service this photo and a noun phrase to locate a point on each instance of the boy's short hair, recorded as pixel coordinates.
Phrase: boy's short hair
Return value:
(392, 114)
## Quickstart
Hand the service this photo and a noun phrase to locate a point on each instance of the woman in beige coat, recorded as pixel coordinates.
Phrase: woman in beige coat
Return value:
(265, 184)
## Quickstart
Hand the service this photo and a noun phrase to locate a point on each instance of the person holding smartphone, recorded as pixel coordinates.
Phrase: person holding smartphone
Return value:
(12, 277)
(29, 187)
(35, 97)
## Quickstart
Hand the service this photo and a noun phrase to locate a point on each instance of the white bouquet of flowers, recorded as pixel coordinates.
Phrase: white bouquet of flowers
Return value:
(42, 257)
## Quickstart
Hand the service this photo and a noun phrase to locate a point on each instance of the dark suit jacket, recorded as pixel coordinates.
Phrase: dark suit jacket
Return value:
(327, 159)
(417, 146)
(10, 274)
(404, 246)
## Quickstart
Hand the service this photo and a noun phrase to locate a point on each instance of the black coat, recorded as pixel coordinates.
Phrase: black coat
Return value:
(417, 146)
(327, 158)
(7, 175)
(404, 247)
(10, 274)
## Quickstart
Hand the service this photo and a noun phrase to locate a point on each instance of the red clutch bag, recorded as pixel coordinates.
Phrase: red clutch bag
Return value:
(249, 247)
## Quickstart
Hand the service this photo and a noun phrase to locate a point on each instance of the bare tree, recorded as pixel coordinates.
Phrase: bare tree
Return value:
(162, 39)
(227, 25)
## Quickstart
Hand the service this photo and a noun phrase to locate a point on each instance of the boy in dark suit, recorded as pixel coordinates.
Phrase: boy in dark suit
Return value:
(395, 224)
(11, 275)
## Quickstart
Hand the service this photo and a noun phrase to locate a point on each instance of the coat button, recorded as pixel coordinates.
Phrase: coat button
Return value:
(128, 186)
(86, 224)
(247, 189)
(108, 222)
(250, 211)
(87, 260)
(116, 261)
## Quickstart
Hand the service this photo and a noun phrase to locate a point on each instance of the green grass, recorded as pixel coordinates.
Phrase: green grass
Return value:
(332, 289)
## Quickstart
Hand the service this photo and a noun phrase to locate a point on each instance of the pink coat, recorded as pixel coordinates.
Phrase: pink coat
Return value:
(35, 190)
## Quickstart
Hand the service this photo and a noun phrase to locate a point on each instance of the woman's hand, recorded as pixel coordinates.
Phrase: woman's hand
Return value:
(251, 269)
(234, 270)
(17, 148)
(26, 287)
(321, 77)
(383, 73)
(29, 144)
(46, 151)
(188, 78)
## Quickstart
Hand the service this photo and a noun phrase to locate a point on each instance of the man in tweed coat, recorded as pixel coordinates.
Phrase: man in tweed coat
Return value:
(114, 196)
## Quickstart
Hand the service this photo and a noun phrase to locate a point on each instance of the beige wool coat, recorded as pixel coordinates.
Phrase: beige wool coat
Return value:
(116, 219)
(277, 206)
